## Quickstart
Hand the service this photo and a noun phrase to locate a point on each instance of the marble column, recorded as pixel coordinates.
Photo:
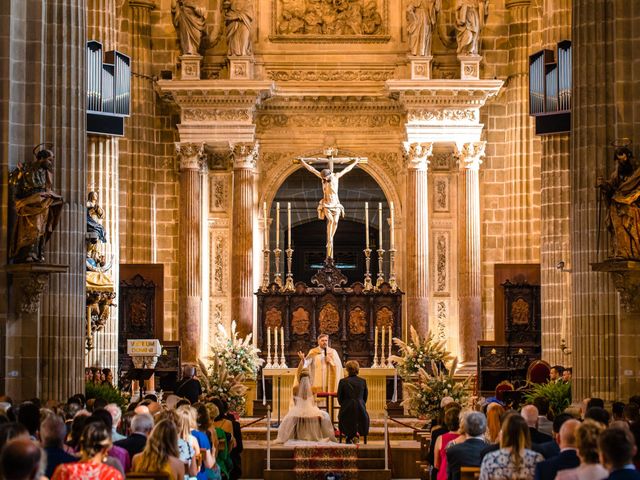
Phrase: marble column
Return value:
(417, 278)
(102, 177)
(244, 211)
(555, 200)
(190, 289)
(604, 108)
(522, 170)
(470, 300)
(64, 124)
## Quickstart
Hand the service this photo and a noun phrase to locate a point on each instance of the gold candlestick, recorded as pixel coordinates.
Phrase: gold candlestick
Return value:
(375, 349)
(269, 364)
(392, 270)
(380, 279)
(288, 286)
(277, 276)
(368, 286)
(266, 253)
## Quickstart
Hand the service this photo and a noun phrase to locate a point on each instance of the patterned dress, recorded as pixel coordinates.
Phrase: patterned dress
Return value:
(499, 465)
(86, 471)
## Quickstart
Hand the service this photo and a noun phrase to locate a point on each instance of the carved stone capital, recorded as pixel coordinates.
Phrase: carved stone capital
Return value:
(191, 156)
(626, 279)
(29, 282)
(148, 4)
(517, 3)
(417, 155)
(244, 155)
(470, 154)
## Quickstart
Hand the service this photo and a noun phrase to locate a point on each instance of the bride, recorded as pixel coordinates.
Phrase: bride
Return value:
(305, 421)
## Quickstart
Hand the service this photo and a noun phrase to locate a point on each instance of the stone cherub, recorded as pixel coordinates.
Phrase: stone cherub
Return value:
(37, 207)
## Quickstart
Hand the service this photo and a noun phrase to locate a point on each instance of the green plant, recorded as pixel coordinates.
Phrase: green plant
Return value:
(106, 392)
(558, 395)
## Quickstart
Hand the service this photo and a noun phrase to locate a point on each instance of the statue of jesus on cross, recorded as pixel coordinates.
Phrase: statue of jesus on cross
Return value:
(329, 208)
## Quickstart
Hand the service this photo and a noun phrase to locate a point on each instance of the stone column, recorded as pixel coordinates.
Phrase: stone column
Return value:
(555, 199)
(64, 124)
(137, 161)
(244, 211)
(604, 109)
(417, 235)
(470, 301)
(190, 290)
(102, 177)
(522, 169)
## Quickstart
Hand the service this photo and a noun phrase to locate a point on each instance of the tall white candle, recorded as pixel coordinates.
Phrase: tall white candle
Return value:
(289, 221)
(266, 226)
(269, 345)
(390, 342)
(366, 227)
(375, 347)
(392, 236)
(275, 345)
(380, 231)
(277, 225)
(282, 361)
(382, 347)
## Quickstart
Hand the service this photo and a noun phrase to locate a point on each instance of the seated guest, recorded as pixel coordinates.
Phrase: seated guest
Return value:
(439, 428)
(116, 453)
(160, 454)
(116, 415)
(635, 430)
(52, 433)
(29, 416)
(555, 374)
(617, 448)
(95, 442)
(514, 459)
(632, 412)
(9, 431)
(567, 373)
(598, 414)
(587, 443)
(202, 436)
(20, 460)
(568, 457)
(617, 411)
(353, 419)
(544, 424)
(594, 402)
(141, 426)
(452, 422)
(495, 412)
(530, 415)
(189, 387)
(552, 448)
(467, 453)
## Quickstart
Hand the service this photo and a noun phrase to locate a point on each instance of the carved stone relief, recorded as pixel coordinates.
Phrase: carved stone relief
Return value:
(441, 161)
(441, 193)
(333, 120)
(329, 21)
(218, 193)
(219, 264)
(442, 315)
(330, 75)
(431, 115)
(300, 321)
(215, 115)
(329, 319)
(442, 262)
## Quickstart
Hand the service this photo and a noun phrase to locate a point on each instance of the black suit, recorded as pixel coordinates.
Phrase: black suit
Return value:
(547, 450)
(236, 471)
(352, 396)
(539, 437)
(492, 447)
(133, 444)
(548, 469)
(465, 454)
(624, 475)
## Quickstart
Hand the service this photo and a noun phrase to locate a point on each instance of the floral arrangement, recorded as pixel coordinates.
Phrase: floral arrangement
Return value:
(426, 390)
(419, 354)
(422, 364)
(232, 362)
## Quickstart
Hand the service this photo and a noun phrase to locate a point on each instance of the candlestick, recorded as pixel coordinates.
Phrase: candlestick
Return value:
(265, 252)
(382, 347)
(366, 223)
(266, 225)
(380, 224)
(394, 398)
(289, 223)
(288, 284)
(264, 391)
(375, 349)
(392, 235)
(283, 361)
(277, 225)
(276, 363)
(380, 279)
(389, 364)
(269, 364)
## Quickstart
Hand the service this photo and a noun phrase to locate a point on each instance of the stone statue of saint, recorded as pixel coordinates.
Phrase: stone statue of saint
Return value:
(471, 16)
(239, 18)
(37, 207)
(621, 194)
(329, 208)
(421, 23)
(190, 20)
(95, 230)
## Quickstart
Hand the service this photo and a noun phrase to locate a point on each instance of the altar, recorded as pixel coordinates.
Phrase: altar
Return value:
(280, 390)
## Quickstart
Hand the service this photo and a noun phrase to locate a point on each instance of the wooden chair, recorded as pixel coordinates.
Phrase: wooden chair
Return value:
(469, 473)
(503, 386)
(148, 476)
(538, 372)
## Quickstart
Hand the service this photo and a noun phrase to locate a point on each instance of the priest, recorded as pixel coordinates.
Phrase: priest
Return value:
(325, 367)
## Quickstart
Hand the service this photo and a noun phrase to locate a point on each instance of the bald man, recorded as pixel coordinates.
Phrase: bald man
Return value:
(530, 415)
(20, 460)
(568, 457)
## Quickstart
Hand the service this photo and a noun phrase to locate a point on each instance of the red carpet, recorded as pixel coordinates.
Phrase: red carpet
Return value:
(313, 463)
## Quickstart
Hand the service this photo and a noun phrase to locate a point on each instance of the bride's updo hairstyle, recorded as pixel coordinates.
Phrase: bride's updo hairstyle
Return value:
(304, 373)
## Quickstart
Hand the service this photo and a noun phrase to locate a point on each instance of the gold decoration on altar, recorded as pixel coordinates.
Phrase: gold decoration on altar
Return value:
(384, 318)
(357, 321)
(273, 318)
(300, 321)
(329, 319)
(520, 312)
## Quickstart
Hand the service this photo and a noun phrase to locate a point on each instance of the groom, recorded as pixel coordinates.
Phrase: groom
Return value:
(325, 367)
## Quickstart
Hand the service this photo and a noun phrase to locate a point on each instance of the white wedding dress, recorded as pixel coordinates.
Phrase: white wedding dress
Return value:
(305, 421)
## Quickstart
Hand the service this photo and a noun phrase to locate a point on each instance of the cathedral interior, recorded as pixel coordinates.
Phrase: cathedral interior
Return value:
(152, 185)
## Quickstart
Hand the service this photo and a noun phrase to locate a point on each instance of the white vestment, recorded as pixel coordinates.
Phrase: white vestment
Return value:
(324, 375)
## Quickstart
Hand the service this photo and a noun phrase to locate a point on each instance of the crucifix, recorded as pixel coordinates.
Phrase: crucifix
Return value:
(329, 208)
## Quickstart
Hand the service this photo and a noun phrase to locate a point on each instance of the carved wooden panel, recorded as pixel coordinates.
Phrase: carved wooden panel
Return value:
(522, 313)
(384, 318)
(357, 321)
(329, 319)
(300, 321)
(273, 318)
